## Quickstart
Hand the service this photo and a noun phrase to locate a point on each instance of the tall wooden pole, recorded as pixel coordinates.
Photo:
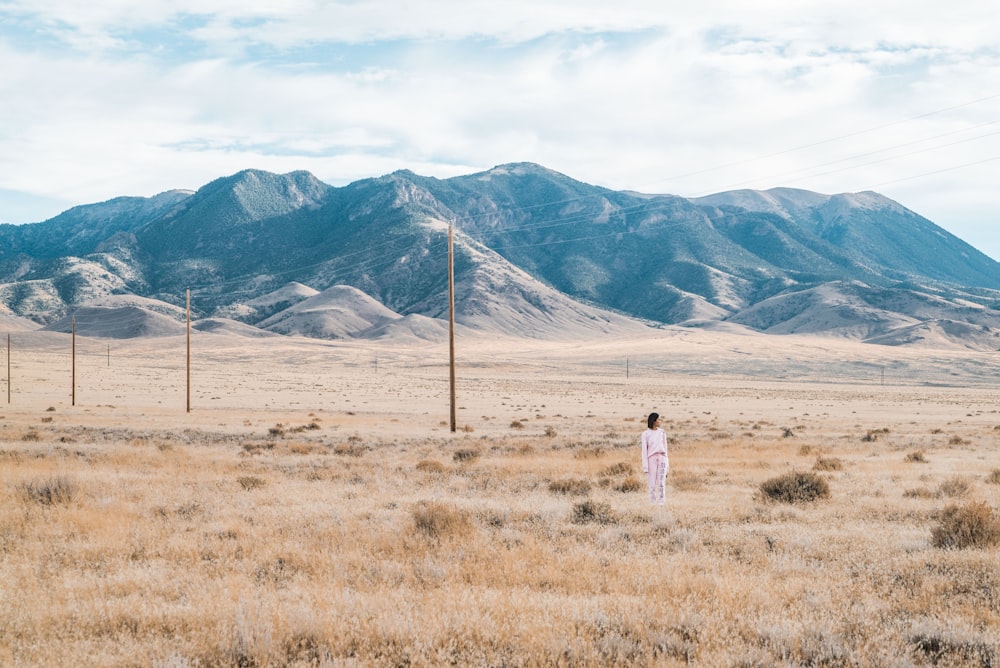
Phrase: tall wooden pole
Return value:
(74, 360)
(451, 322)
(188, 351)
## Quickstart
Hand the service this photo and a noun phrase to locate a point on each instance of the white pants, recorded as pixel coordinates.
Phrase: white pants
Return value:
(657, 479)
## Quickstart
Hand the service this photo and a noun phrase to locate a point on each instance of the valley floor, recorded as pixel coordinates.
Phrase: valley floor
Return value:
(313, 507)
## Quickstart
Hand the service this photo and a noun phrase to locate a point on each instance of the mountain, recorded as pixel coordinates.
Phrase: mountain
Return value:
(537, 253)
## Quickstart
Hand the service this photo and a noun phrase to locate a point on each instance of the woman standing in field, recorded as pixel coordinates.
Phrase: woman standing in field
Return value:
(654, 459)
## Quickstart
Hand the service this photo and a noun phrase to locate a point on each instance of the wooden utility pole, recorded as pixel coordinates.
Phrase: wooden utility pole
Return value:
(451, 322)
(74, 359)
(189, 351)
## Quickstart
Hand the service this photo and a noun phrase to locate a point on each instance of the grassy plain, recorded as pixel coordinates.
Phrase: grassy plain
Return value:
(314, 509)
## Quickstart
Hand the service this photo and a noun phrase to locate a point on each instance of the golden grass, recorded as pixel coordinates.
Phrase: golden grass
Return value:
(307, 547)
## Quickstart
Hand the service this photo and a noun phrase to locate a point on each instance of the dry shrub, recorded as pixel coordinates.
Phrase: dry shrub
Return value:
(430, 466)
(958, 440)
(873, 434)
(795, 488)
(573, 486)
(31, 436)
(516, 424)
(350, 449)
(971, 525)
(687, 481)
(629, 484)
(621, 468)
(994, 477)
(954, 487)
(595, 512)
(440, 521)
(302, 448)
(916, 456)
(50, 491)
(828, 464)
(249, 482)
(550, 431)
(948, 647)
(920, 493)
(804, 450)
(588, 453)
(465, 455)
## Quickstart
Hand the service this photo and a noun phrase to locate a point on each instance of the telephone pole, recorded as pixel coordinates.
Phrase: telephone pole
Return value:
(451, 322)
(73, 394)
(189, 351)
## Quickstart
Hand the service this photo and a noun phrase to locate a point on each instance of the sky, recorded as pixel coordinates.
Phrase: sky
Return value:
(116, 97)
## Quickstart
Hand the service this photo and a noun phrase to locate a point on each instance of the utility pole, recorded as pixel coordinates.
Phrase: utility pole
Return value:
(189, 351)
(74, 361)
(451, 322)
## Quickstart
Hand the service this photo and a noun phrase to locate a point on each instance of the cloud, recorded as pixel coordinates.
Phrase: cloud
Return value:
(114, 98)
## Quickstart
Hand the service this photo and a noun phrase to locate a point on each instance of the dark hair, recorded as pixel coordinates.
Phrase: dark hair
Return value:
(651, 420)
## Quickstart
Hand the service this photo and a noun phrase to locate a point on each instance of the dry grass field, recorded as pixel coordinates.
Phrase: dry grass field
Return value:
(313, 509)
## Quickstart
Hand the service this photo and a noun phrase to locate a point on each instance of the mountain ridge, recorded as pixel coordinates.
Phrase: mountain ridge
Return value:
(537, 253)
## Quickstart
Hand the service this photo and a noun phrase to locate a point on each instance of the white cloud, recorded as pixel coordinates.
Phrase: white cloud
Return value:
(114, 98)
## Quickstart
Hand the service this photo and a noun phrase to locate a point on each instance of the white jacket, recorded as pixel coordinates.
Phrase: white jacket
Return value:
(654, 441)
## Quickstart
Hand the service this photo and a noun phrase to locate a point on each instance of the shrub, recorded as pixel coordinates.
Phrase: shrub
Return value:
(994, 477)
(953, 648)
(49, 492)
(574, 486)
(593, 511)
(430, 466)
(588, 453)
(550, 431)
(621, 468)
(350, 449)
(873, 434)
(465, 455)
(828, 464)
(795, 488)
(438, 520)
(686, 481)
(954, 487)
(916, 456)
(630, 484)
(971, 525)
(249, 482)
(516, 424)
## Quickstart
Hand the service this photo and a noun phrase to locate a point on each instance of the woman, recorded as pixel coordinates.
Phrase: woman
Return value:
(654, 459)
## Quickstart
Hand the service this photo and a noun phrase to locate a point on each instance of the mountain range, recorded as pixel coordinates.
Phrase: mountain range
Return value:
(536, 253)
